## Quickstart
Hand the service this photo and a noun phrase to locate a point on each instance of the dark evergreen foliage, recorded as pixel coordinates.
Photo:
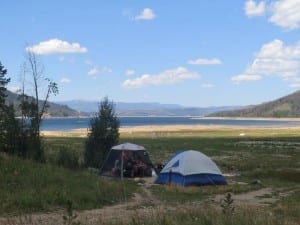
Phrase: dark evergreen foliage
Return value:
(103, 134)
(3, 82)
(67, 159)
(10, 132)
(7, 120)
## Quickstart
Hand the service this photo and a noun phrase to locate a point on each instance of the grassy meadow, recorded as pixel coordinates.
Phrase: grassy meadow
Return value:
(264, 158)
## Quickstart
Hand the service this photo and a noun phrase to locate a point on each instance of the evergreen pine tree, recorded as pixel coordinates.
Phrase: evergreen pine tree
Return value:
(9, 126)
(103, 134)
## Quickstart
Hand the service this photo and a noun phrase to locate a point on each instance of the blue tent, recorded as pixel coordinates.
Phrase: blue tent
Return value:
(190, 168)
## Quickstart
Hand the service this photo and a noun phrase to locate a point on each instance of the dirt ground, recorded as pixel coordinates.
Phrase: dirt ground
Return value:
(143, 204)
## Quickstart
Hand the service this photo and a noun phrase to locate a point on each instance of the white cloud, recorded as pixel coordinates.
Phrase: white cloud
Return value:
(146, 14)
(273, 59)
(286, 13)
(106, 69)
(54, 46)
(129, 72)
(65, 80)
(245, 77)
(295, 85)
(207, 85)
(200, 61)
(283, 13)
(94, 71)
(167, 77)
(254, 9)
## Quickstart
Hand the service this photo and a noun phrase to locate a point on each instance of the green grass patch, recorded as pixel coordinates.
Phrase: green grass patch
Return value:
(270, 156)
(27, 187)
(289, 206)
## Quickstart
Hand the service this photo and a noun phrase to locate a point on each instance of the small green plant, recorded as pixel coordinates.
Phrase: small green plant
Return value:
(67, 159)
(70, 218)
(227, 204)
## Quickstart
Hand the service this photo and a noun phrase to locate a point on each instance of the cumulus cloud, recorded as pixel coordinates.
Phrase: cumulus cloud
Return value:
(146, 14)
(207, 85)
(171, 76)
(56, 46)
(129, 72)
(201, 61)
(286, 13)
(254, 9)
(283, 13)
(65, 80)
(94, 71)
(274, 59)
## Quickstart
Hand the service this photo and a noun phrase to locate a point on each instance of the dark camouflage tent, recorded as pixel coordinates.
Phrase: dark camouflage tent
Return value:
(127, 160)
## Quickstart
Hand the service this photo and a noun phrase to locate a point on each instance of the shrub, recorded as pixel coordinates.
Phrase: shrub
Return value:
(67, 159)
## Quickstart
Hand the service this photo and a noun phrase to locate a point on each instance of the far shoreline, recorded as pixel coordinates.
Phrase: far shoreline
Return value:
(82, 132)
(292, 119)
(194, 117)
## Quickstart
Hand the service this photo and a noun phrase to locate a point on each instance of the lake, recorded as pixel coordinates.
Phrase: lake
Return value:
(61, 124)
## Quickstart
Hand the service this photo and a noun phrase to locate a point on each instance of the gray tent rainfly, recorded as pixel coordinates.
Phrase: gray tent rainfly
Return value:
(127, 160)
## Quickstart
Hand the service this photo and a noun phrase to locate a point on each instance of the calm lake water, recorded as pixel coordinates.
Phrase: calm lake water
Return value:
(61, 124)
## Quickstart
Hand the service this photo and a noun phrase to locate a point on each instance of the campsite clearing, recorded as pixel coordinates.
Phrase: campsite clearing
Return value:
(263, 168)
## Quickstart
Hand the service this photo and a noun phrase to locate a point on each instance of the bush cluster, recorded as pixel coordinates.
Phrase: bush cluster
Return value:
(67, 159)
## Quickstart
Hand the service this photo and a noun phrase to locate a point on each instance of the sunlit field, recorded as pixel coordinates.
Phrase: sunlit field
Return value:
(262, 167)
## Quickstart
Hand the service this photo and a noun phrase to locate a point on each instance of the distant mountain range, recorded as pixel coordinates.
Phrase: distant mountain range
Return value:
(285, 107)
(76, 108)
(146, 109)
(92, 106)
(54, 110)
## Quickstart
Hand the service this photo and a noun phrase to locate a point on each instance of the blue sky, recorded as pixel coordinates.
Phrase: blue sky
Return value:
(193, 53)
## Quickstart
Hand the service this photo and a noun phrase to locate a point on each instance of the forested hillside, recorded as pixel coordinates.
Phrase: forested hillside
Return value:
(285, 107)
(54, 110)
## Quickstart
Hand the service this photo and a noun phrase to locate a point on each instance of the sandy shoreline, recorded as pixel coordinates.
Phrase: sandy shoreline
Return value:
(293, 119)
(165, 128)
(82, 132)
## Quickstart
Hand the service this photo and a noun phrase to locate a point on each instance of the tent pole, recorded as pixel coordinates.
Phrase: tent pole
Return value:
(122, 163)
